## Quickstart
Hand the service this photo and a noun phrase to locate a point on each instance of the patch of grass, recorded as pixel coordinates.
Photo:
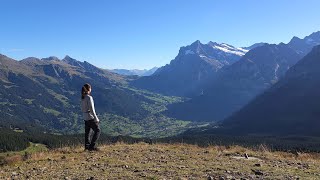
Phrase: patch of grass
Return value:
(60, 97)
(51, 111)
(33, 148)
(18, 130)
(7, 104)
(13, 157)
(29, 101)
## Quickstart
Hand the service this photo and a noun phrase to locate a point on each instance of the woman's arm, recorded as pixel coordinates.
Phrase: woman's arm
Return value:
(91, 107)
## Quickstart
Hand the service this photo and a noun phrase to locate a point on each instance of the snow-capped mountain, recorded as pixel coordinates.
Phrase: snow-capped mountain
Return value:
(228, 48)
(214, 50)
(194, 64)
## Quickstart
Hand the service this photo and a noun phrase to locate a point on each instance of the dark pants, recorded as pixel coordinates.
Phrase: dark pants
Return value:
(96, 133)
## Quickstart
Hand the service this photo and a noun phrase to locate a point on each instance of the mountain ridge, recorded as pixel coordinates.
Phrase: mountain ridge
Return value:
(46, 92)
(235, 85)
(291, 104)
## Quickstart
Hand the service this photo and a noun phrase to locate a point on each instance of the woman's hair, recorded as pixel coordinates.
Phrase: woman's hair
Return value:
(85, 89)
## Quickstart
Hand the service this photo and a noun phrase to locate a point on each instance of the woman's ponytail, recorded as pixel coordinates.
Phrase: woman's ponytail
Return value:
(85, 89)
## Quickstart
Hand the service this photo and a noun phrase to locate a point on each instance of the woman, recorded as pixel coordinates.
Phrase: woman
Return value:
(90, 118)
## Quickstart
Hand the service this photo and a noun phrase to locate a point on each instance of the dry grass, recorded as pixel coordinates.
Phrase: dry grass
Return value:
(164, 161)
(11, 160)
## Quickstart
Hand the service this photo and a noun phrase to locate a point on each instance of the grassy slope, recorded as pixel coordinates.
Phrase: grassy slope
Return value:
(14, 156)
(33, 148)
(159, 161)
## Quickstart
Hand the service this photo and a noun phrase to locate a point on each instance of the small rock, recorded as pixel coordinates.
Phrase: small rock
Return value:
(90, 178)
(239, 174)
(14, 174)
(210, 178)
(257, 165)
(246, 156)
(257, 172)
(229, 177)
(67, 178)
(305, 166)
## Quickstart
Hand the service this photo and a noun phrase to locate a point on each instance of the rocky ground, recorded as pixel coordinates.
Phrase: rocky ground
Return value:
(164, 161)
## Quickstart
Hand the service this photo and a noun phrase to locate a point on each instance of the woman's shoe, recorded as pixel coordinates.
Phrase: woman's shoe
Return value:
(94, 149)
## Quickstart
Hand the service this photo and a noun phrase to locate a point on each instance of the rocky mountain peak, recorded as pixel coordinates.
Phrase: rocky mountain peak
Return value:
(255, 46)
(313, 39)
(294, 39)
(51, 58)
(68, 58)
(303, 46)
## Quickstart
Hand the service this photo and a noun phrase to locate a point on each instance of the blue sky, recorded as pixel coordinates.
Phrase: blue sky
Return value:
(145, 33)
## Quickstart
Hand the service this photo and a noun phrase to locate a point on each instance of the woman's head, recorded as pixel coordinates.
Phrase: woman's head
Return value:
(86, 89)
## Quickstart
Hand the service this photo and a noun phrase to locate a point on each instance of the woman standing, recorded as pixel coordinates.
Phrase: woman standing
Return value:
(90, 118)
